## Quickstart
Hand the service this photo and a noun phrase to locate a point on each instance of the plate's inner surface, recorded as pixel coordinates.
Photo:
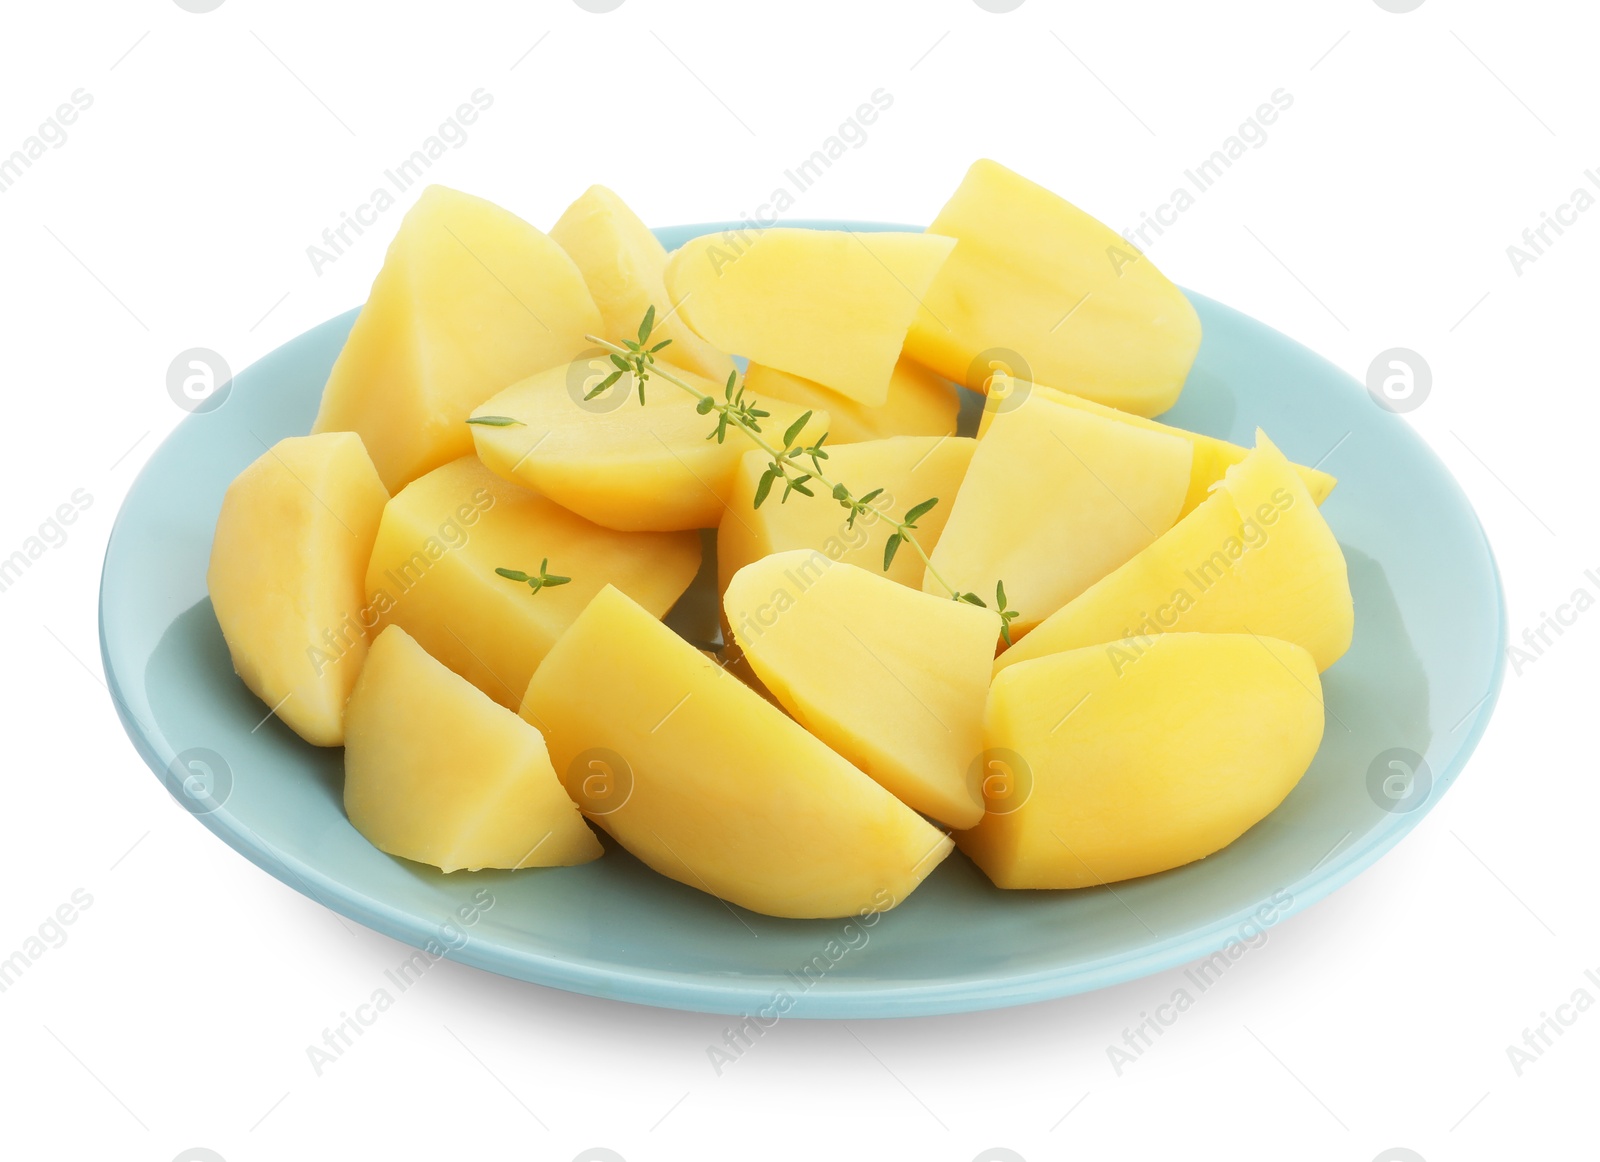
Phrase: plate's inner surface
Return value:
(1416, 678)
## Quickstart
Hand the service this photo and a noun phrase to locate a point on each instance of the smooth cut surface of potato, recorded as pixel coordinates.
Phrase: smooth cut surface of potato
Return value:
(1055, 499)
(891, 678)
(1038, 285)
(438, 773)
(620, 463)
(1212, 457)
(625, 268)
(1130, 758)
(469, 300)
(831, 306)
(287, 561)
(702, 779)
(1255, 557)
(444, 535)
(909, 469)
(918, 403)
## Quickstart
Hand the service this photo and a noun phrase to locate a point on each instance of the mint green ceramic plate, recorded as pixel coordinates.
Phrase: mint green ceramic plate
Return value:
(1420, 680)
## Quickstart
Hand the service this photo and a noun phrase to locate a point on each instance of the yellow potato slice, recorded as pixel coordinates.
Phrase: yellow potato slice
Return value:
(1054, 500)
(1059, 297)
(470, 299)
(1130, 758)
(829, 305)
(1255, 557)
(442, 538)
(438, 773)
(620, 463)
(892, 679)
(702, 779)
(291, 547)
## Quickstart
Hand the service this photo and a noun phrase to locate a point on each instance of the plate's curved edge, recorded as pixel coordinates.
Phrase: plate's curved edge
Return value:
(728, 997)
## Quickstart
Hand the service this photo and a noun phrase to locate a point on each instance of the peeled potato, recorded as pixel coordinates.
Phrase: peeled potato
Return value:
(917, 403)
(1212, 457)
(1129, 758)
(620, 463)
(469, 300)
(285, 578)
(438, 773)
(443, 536)
(1255, 557)
(625, 268)
(892, 679)
(702, 779)
(1055, 498)
(1035, 282)
(829, 305)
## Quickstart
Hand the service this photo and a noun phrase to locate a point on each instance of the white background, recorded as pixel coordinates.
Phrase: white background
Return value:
(178, 213)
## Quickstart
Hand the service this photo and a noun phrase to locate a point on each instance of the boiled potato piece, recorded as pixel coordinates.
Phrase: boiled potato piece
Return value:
(469, 300)
(919, 403)
(699, 777)
(625, 465)
(1255, 557)
(625, 269)
(1055, 499)
(1212, 457)
(1033, 278)
(436, 772)
(892, 679)
(909, 469)
(1126, 759)
(828, 305)
(291, 547)
(444, 535)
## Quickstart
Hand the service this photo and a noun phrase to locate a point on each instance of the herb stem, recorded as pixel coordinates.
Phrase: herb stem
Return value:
(780, 458)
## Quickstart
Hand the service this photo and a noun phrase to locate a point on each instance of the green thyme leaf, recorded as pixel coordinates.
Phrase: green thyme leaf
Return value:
(918, 511)
(496, 421)
(604, 384)
(764, 487)
(792, 432)
(889, 547)
(647, 324)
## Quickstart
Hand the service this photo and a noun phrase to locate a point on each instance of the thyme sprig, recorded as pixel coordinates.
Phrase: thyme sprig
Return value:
(797, 465)
(543, 579)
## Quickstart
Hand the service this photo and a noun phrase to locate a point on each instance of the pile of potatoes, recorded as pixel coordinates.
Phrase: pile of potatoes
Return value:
(1177, 596)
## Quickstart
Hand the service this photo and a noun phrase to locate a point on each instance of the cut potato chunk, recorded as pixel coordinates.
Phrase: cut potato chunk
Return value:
(625, 269)
(1038, 284)
(1212, 457)
(470, 299)
(1255, 557)
(443, 537)
(703, 780)
(1131, 758)
(625, 465)
(1055, 499)
(892, 679)
(829, 305)
(909, 469)
(291, 548)
(436, 772)
(918, 403)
